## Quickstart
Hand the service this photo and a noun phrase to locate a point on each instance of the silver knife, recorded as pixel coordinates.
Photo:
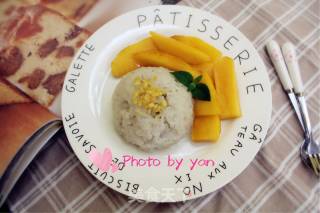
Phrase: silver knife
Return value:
(277, 59)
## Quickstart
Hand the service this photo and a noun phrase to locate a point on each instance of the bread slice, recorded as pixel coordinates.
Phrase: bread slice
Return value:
(37, 46)
(72, 9)
(11, 95)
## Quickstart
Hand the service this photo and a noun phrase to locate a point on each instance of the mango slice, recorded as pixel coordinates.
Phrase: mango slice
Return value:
(124, 61)
(171, 46)
(154, 58)
(205, 67)
(201, 45)
(211, 107)
(206, 128)
(227, 89)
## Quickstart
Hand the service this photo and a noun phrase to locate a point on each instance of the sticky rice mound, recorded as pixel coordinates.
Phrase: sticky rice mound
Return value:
(151, 109)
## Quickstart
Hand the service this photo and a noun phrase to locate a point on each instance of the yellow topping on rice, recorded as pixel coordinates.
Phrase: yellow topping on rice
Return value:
(148, 96)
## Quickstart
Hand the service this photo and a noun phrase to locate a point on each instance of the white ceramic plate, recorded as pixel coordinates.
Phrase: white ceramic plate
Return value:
(87, 112)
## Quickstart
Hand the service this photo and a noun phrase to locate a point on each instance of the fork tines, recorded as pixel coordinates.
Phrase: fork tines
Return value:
(315, 162)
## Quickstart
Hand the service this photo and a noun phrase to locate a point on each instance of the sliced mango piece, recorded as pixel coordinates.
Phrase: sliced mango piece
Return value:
(206, 128)
(211, 107)
(155, 58)
(124, 61)
(171, 46)
(201, 45)
(205, 67)
(227, 89)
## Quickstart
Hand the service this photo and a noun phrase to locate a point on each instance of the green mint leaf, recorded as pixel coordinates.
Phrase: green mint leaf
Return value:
(183, 77)
(198, 90)
(192, 86)
(201, 92)
(197, 79)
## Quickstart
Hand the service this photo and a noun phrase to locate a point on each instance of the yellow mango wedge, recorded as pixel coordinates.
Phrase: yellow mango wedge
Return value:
(201, 45)
(171, 46)
(124, 61)
(154, 58)
(206, 128)
(204, 108)
(205, 67)
(227, 89)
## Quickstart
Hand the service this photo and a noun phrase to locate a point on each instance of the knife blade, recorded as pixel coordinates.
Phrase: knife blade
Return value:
(295, 104)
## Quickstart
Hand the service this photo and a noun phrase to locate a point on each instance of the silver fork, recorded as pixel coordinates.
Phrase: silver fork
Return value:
(310, 149)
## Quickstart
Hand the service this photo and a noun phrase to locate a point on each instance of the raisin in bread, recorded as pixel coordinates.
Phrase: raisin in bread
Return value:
(36, 48)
